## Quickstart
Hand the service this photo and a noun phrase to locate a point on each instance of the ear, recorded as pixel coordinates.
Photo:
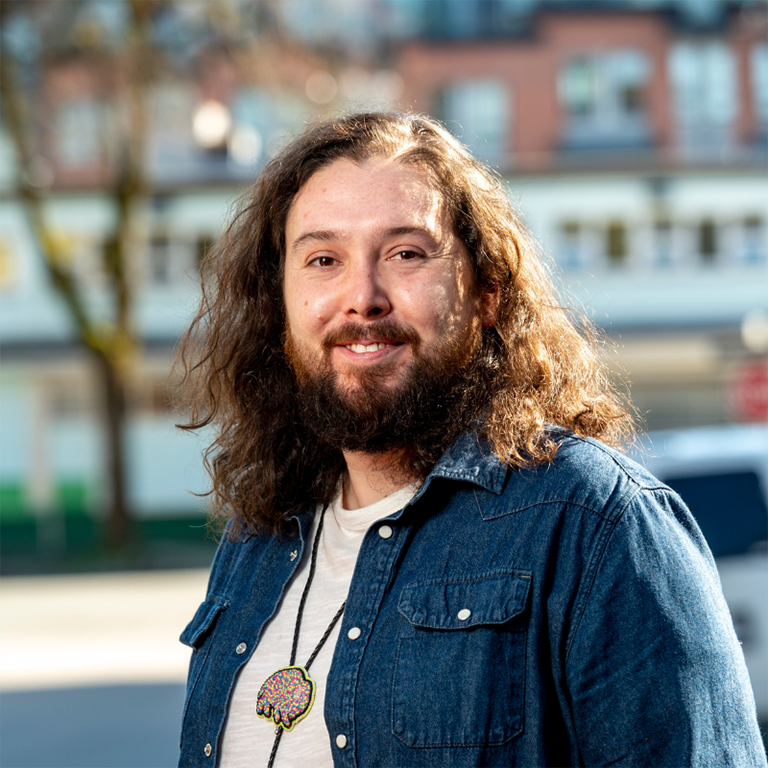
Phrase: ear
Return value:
(489, 306)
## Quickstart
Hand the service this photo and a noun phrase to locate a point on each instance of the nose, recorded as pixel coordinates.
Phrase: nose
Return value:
(365, 294)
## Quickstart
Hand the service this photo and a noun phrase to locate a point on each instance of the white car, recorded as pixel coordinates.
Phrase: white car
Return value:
(722, 474)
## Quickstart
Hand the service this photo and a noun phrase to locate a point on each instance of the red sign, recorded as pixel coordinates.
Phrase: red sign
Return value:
(748, 391)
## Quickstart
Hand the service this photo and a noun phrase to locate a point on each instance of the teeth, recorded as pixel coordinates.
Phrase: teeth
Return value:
(360, 348)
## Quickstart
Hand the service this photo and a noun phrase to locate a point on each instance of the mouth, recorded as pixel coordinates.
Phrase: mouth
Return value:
(371, 344)
(374, 346)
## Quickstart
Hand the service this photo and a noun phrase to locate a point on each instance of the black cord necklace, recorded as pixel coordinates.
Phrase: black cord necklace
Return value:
(287, 695)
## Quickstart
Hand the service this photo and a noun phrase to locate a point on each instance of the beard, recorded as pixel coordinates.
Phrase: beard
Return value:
(438, 395)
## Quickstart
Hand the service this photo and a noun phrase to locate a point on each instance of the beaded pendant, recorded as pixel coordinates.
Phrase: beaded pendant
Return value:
(286, 697)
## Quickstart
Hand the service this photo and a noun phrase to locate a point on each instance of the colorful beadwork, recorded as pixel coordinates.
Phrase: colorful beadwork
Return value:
(286, 697)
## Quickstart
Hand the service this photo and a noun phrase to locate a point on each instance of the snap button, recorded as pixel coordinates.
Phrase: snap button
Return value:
(241, 648)
(341, 741)
(463, 614)
(208, 749)
(353, 633)
(385, 531)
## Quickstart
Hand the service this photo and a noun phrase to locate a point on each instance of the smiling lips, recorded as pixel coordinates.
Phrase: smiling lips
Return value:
(371, 347)
(370, 342)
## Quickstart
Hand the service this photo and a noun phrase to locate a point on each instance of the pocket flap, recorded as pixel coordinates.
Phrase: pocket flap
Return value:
(202, 621)
(490, 598)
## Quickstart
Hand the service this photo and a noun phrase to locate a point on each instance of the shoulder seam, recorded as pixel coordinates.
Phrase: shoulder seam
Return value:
(624, 469)
(592, 569)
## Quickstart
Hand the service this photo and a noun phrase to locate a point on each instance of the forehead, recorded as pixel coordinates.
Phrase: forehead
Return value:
(383, 191)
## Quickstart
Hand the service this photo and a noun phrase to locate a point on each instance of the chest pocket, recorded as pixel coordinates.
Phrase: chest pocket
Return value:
(460, 668)
(195, 635)
(202, 622)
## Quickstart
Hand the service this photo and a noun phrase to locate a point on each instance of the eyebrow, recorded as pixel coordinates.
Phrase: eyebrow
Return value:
(326, 235)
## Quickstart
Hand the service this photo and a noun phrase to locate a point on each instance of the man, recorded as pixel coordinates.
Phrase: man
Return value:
(433, 557)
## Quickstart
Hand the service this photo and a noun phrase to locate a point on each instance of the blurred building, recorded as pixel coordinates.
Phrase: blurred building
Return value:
(634, 139)
(633, 136)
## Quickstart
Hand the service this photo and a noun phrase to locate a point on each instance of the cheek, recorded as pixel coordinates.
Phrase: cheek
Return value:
(440, 308)
(453, 301)
(306, 310)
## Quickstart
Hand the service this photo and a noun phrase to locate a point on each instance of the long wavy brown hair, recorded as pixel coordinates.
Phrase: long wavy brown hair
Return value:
(544, 359)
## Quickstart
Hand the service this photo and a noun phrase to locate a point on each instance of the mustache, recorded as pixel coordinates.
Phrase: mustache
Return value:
(383, 330)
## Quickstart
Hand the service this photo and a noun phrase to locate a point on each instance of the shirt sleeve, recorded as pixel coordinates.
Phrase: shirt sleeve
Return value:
(655, 674)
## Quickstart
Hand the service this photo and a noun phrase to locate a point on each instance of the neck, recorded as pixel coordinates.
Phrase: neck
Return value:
(372, 477)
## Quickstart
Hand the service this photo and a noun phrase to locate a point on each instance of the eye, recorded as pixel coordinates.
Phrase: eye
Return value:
(324, 261)
(405, 255)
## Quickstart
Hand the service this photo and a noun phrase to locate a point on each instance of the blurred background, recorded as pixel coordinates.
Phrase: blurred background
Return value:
(633, 137)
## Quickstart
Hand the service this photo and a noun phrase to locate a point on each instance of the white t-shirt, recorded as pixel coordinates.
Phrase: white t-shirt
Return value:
(248, 739)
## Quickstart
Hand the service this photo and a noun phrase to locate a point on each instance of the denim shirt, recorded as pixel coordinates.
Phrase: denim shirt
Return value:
(569, 614)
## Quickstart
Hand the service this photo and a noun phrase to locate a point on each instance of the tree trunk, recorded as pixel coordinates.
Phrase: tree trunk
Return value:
(113, 346)
(119, 530)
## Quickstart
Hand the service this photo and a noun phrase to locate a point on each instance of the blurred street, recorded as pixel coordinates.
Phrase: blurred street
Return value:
(91, 670)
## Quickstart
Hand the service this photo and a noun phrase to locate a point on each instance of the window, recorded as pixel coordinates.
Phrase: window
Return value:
(760, 82)
(578, 87)
(616, 243)
(755, 237)
(82, 254)
(464, 19)
(204, 245)
(262, 118)
(70, 399)
(253, 118)
(698, 14)
(570, 244)
(704, 88)
(160, 260)
(319, 23)
(662, 242)
(170, 259)
(457, 18)
(707, 240)
(79, 133)
(405, 18)
(477, 112)
(518, 7)
(603, 95)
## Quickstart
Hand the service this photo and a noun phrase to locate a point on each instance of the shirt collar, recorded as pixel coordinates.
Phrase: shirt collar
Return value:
(470, 459)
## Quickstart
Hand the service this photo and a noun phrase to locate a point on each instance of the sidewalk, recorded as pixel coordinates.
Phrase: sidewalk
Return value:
(96, 629)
